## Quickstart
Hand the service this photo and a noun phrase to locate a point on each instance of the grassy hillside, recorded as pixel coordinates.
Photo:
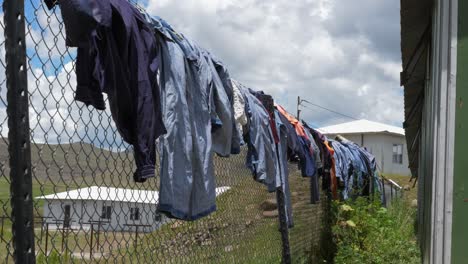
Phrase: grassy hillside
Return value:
(236, 232)
(56, 168)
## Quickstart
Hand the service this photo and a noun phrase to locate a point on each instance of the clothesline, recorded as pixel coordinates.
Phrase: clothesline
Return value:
(162, 85)
(329, 110)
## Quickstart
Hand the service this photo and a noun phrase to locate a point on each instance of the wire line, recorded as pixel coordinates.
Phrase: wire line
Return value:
(327, 109)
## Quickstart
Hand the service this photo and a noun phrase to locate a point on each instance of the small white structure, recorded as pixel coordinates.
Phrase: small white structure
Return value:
(106, 208)
(387, 143)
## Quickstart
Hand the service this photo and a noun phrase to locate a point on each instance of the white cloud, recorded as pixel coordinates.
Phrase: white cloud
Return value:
(327, 51)
(341, 54)
(56, 117)
(53, 114)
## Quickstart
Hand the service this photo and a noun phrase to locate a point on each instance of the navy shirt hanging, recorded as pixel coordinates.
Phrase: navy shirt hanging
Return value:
(117, 56)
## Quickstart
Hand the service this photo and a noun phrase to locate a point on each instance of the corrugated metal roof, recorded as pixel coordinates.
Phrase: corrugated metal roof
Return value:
(360, 127)
(95, 193)
(415, 22)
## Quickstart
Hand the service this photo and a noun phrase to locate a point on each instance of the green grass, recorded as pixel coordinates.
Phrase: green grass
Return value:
(237, 230)
(404, 181)
(367, 233)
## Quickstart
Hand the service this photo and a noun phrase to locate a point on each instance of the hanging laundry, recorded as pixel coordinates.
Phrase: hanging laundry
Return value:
(280, 145)
(261, 154)
(222, 113)
(373, 173)
(316, 150)
(344, 169)
(283, 172)
(360, 173)
(161, 85)
(225, 78)
(325, 157)
(354, 169)
(269, 105)
(333, 176)
(117, 56)
(306, 162)
(365, 163)
(239, 106)
(192, 95)
(314, 180)
(294, 146)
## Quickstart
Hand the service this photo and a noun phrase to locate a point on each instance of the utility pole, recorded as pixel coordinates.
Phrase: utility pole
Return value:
(298, 110)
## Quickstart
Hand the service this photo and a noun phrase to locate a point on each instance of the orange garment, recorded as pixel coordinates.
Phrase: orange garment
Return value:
(334, 181)
(297, 125)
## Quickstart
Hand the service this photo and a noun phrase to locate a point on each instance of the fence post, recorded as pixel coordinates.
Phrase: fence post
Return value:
(18, 135)
(91, 242)
(384, 193)
(47, 239)
(286, 251)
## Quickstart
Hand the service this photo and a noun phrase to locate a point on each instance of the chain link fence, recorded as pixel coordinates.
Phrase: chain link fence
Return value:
(86, 207)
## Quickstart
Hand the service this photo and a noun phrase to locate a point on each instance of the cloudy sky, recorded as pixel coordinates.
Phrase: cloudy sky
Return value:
(341, 54)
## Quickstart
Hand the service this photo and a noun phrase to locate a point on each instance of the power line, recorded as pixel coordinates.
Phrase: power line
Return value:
(327, 109)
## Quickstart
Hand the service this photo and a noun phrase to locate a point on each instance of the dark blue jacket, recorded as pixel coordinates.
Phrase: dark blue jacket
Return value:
(283, 172)
(117, 55)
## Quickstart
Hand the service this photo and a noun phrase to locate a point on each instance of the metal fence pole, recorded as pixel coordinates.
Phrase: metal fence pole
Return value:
(91, 243)
(286, 251)
(18, 135)
(47, 239)
(384, 193)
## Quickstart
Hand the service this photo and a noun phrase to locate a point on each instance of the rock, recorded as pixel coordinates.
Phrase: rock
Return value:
(406, 188)
(228, 248)
(176, 224)
(269, 204)
(270, 214)
(414, 203)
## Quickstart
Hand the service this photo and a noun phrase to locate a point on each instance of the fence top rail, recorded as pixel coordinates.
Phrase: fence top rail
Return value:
(391, 182)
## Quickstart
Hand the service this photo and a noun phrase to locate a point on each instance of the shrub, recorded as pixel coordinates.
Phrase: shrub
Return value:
(365, 232)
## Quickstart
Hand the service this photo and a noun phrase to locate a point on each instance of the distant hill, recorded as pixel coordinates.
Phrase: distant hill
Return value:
(78, 164)
(57, 167)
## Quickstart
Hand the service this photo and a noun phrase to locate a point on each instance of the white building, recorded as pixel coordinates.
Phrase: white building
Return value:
(107, 208)
(387, 143)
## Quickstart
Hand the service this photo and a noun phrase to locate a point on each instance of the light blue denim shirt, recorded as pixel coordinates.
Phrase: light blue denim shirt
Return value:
(222, 112)
(359, 164)
(225, 78)
(188, 189)
(343, 163)
(262, 158)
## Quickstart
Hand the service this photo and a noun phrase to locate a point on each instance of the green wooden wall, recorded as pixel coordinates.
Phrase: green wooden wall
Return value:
(460, 184)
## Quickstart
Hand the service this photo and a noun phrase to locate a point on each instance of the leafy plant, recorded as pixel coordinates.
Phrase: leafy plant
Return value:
(54, 257)
(365, 232)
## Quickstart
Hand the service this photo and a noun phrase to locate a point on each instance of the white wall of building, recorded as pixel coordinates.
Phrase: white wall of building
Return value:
(82, 212)
(381, 146)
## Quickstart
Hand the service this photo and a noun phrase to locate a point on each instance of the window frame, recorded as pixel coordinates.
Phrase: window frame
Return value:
(135, 214)
(397, 154)
(106, 212)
